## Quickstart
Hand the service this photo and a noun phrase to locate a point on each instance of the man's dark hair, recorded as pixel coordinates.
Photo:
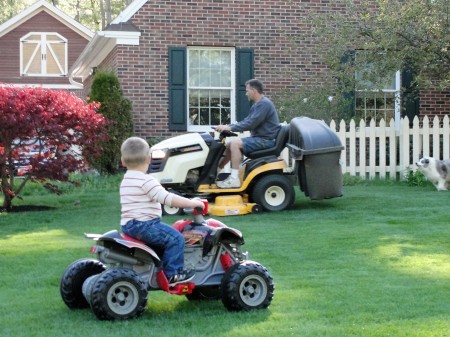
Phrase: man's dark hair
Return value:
(256, 84)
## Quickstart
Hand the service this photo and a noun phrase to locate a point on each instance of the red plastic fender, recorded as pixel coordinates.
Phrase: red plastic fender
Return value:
(180, 224)
(215, 223)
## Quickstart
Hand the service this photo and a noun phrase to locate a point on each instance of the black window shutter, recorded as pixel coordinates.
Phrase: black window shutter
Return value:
(177, 89)
(244, 72)
(410, 97)
(348, 89)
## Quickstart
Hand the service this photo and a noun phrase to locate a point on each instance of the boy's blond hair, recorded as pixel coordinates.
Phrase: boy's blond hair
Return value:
(135, 151)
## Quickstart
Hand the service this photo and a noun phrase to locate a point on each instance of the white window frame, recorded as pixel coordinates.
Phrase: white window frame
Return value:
(43, 47)
(231, 88)
(395, 90)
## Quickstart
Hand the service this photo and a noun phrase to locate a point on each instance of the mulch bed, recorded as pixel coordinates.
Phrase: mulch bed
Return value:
(26, 208)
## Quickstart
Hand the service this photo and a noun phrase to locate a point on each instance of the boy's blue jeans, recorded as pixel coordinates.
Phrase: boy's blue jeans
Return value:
(158, 234)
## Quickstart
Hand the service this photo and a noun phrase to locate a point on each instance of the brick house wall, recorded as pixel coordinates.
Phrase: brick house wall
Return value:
(434, 103)
(280, 33)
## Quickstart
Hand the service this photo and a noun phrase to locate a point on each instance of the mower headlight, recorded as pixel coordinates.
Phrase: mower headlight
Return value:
(158, 154)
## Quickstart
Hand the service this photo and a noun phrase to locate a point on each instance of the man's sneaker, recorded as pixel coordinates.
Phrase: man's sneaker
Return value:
(230, 182)
(184, 276)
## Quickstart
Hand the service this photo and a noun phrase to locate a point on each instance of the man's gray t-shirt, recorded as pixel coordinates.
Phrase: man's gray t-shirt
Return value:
(262, 120)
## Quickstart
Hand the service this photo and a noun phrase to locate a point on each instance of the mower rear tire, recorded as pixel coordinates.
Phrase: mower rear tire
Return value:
(118, 294)
(274, 192)
(72, 280)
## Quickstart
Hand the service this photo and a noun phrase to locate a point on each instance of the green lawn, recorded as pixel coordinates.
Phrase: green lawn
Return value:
(375, 262)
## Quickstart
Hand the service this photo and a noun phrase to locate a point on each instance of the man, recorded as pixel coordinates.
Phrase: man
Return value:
(263, 124)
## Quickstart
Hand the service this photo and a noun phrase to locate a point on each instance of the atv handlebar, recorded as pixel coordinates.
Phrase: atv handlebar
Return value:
(198, 210)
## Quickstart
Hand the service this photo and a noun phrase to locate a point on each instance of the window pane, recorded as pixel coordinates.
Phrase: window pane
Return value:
(210, 86)
(379, 105)
(213, 105)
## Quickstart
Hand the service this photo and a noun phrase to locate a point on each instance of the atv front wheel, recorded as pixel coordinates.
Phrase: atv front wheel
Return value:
(118, 294)
(247, 286)
(274, 192)
(72, 280)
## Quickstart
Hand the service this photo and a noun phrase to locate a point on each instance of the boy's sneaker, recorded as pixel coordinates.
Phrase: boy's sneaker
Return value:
(184, 276)
(230, 182)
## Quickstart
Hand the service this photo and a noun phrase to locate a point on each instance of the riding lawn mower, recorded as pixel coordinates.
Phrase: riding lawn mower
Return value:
(187, 165)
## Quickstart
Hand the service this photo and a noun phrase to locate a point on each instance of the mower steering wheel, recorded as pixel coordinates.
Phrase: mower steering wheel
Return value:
(225, 133)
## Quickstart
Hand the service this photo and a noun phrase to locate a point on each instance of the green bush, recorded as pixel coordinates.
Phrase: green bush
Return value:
(414, 178)
(118, 111)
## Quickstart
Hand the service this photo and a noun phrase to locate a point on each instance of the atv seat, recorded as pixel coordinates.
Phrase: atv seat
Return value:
(280, 143)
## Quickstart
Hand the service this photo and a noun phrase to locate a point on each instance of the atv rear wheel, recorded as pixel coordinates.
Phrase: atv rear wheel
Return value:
(274, 192)
(118, 294)
(72, 280)
(247, 286)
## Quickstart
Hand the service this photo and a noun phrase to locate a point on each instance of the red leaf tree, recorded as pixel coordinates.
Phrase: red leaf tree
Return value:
(47, 132)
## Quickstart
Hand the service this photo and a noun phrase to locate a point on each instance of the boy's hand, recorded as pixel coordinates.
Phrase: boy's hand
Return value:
(198, 203)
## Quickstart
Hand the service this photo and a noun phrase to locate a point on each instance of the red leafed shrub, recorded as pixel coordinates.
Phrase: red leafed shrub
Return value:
(45, 134)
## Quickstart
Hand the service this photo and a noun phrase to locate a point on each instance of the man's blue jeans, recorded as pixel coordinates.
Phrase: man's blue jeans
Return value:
(158, 234)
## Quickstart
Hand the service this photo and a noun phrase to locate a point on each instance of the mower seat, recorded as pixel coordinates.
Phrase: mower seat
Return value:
(280, 143)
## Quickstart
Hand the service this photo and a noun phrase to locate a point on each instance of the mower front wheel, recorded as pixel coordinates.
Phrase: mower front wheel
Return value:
(168, 210)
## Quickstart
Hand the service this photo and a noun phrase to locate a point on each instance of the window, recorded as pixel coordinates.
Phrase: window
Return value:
(210, 87)
(207, 86)
(382, 102)
(43, 54)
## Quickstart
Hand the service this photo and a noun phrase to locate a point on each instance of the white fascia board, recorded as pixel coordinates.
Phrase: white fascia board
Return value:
(94, 53)
(98, 49)
(126, 38)
(51, 10)
(128, 12)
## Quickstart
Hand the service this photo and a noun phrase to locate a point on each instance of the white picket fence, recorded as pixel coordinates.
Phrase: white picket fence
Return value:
(387, 151)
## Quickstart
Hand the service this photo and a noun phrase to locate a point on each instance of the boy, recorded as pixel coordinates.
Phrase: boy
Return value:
(141, 197)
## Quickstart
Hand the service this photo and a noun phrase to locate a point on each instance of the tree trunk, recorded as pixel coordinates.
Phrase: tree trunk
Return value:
(102, 13)
(108, 11)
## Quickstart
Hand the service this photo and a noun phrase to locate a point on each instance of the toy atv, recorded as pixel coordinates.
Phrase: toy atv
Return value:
(116, 284)
(187, 165)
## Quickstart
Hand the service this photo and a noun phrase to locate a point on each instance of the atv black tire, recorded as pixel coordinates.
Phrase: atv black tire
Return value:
(247, 286)
(204, 294)
(72, 280)
(274, 192)
(118, 294)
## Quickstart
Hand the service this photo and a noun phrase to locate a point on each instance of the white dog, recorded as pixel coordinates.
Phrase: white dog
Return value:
(435, 170)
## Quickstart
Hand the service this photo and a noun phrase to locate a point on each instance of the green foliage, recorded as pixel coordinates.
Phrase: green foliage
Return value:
(349, 180)
(118, 111)
(394, 35)
(414, 178)
(90, 13)
(321, 102)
